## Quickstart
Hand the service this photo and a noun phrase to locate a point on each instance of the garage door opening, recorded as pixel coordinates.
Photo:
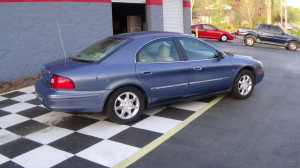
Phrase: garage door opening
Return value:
(128, 17)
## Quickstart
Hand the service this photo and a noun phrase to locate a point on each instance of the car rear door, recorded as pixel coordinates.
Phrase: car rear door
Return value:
(160, 68)
(201, 32)
(207, 72)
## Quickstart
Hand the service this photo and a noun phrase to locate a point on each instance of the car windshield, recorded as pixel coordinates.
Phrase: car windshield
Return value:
(99, 50)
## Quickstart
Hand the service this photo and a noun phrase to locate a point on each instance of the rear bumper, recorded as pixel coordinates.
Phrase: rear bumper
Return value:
(70, 100)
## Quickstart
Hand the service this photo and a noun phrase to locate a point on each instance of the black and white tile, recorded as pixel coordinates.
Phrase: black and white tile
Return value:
(33, 136)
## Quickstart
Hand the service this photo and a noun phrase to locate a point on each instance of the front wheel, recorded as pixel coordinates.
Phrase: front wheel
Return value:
(249, 40)
(292, 45)
(243, 85)
(223, 38)
(125, 105)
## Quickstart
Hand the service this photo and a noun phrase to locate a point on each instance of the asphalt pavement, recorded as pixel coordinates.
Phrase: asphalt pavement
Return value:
(262, 131)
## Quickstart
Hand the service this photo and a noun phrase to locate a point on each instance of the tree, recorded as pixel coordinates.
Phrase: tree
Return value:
(253, 11)
(269, 11)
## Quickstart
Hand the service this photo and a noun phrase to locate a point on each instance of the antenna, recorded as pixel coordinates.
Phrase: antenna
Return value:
(61, 40)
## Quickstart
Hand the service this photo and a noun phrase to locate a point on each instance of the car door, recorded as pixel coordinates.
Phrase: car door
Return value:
(160, 68)
(279, 35)
(208, 73)
(211, 32)
(266, 34)
(201, 31)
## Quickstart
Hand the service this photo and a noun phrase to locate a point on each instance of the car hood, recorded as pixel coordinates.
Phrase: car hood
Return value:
(238, 55)
(226, 32)
(243, 56)
(292, 37)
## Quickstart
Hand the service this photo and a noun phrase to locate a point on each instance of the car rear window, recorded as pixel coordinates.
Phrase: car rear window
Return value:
(99, 50)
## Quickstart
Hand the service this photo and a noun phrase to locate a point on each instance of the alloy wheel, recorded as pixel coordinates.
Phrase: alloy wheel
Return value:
(250, 41)
(245, 85)
(292, 46)
(224, 38)
(127, 105)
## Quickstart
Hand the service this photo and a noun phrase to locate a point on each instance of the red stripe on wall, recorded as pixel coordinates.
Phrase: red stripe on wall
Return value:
(154, 2)
(186, 4)
(100, 1)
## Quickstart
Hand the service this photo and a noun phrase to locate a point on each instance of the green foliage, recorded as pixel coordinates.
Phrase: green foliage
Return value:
(298, 33)
(293, 14)
(249, 14)
(226, 27)
(292, 31)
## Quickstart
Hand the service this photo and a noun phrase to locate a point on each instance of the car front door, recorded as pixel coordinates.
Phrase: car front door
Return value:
(208, 72)
(266, 34)
(211, 32)
(160, 68)
(279, 36)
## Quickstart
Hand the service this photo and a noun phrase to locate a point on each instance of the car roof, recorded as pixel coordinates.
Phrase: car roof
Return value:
(147, 34)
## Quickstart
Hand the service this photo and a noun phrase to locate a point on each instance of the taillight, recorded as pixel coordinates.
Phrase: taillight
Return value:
(60, 82)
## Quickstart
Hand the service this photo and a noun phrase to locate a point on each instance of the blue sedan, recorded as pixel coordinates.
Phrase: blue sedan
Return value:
(126, 73)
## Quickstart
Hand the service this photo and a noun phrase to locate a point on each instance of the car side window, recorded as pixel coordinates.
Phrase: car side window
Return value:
(162, 50)
(277, 30)
(267, 28)
(197, 50)
(208, 27)
(200, 27)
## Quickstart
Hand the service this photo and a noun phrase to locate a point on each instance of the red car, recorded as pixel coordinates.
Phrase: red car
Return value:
(211, 32)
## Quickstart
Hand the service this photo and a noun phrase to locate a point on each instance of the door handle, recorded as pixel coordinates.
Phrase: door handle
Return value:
(197, 68)
(147, 73)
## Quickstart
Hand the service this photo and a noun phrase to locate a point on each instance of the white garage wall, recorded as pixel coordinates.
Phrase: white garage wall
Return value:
(173, 15)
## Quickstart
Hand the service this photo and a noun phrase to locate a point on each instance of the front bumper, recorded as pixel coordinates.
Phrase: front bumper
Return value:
(230, 36)
(70, 100)
(260, 75)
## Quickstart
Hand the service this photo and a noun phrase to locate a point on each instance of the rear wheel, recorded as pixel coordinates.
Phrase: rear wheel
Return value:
(223, 38)
(125, 105)
(243, 85)
(249, 40)
(292, 45)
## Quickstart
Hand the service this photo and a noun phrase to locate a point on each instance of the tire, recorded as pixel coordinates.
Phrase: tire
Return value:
(243, 85)
(125, 105)
(223, 38)
(292, 45)
(249, 40)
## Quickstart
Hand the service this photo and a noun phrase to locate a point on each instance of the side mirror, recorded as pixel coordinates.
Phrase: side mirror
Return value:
(220, 55)
(282, 33)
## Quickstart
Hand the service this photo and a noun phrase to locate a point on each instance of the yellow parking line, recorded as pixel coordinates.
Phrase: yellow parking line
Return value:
(148, 148)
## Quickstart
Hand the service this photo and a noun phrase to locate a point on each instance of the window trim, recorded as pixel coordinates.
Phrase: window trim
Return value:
(183, 51)
(128, 40)
(156, 39)
(211, 26)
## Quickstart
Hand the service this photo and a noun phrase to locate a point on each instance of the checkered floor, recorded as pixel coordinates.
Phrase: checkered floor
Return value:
(33, 136)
